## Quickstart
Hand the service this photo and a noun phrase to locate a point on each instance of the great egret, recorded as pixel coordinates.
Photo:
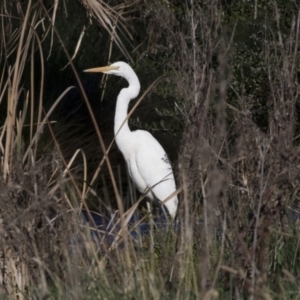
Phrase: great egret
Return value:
(147, 162)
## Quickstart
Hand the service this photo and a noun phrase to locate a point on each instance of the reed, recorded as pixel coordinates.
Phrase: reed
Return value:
(236, 235)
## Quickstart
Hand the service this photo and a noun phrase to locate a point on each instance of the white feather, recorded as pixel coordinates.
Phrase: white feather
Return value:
(147, 162)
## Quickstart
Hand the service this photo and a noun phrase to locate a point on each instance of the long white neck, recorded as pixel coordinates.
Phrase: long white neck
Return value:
(121, 115)
(122, 132)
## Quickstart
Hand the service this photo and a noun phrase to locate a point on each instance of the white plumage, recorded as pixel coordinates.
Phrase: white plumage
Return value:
(147, 162)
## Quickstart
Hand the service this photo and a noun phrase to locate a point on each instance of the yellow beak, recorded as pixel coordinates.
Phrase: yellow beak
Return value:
(101, 69)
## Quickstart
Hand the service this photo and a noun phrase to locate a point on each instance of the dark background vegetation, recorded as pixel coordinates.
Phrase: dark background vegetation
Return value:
(225, 110)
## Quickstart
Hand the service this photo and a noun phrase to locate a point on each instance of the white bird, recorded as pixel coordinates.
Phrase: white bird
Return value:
(147, 162)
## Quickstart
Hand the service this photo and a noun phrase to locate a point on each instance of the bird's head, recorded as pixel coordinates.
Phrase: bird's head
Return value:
(122, 69)
(119, 68)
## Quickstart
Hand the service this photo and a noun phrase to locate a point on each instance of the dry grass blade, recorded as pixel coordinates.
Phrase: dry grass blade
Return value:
(84, 179)
(108, 19)
(77, 47)
(13, 94)
(55, 7)
(32, 81)
(42, 124)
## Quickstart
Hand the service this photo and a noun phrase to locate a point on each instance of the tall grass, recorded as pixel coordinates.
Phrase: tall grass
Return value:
(237, 233)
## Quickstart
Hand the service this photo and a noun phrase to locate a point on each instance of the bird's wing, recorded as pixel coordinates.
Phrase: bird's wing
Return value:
(153, 165)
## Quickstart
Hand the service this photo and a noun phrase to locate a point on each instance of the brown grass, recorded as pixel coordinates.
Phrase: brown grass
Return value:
(238, 177)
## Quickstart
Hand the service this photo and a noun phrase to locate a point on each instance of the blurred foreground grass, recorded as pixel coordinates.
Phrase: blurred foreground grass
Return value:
(237, 231)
